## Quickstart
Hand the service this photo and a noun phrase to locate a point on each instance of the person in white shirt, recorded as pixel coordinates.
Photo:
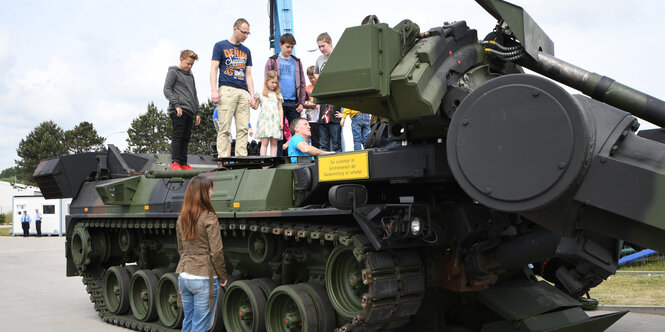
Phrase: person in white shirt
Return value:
(38, 223)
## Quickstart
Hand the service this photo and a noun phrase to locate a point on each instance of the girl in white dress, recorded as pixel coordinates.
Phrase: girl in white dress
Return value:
(271, 116)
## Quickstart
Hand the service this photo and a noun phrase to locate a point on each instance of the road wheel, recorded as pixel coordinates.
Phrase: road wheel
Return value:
(324, 309)
(244, 307)
(344, 282)
(116, 290)
(143, 295)
(170, 314)
(291, 309)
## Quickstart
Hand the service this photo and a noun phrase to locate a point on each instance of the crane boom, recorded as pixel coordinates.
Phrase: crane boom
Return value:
(281, 21)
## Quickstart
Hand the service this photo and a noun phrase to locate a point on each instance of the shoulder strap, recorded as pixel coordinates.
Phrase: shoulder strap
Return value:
(211, 277)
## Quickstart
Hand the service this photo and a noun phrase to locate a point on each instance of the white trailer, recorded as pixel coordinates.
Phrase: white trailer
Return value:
(8, 190)
(53, 213)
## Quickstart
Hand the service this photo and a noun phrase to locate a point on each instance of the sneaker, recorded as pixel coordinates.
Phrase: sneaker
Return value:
(175, 166)
(187, 168)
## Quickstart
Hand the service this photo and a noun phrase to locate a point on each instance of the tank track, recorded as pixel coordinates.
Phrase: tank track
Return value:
(94, 278)
(94, 282)
(395, 279)
(396, 287)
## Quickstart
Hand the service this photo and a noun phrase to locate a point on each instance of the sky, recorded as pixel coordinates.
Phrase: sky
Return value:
(105, 61)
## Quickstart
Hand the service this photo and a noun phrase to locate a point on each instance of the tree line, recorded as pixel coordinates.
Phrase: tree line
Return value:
(150, 132)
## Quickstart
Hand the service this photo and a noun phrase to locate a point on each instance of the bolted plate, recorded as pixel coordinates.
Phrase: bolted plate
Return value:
(517, 143)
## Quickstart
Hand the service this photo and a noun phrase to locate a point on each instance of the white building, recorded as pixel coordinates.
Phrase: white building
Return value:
(7, 191)
(53, 212)
(15, 199)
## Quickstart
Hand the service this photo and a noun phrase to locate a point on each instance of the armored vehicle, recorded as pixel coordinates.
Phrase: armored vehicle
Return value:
(488, 199)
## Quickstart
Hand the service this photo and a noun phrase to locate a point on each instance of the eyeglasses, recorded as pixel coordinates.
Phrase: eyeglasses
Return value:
(243, 32)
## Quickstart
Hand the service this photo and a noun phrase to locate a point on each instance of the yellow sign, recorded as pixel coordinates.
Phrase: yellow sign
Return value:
(346, 166)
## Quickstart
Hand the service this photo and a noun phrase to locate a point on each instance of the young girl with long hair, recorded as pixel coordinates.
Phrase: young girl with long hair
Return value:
(271, 115)
(201, 257)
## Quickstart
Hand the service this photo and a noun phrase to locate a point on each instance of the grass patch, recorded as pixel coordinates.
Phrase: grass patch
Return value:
(631, 289)
(4, 231)
(6, 218)
(654, 263)
(634, 288)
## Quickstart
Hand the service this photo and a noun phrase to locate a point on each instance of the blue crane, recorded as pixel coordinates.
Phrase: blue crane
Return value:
(281, 21)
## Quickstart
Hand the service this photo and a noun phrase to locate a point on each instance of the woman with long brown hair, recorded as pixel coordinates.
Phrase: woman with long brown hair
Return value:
(201, 256)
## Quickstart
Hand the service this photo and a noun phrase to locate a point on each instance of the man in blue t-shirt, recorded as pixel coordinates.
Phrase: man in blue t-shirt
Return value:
(234, 90)
(298, 146)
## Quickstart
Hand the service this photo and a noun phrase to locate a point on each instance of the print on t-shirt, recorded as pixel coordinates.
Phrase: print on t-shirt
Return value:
(235, 63)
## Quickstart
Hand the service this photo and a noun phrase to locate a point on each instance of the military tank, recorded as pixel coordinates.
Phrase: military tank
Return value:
(501, 201)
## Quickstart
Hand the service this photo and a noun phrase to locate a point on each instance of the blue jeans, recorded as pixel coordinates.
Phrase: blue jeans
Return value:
(330, 137)
(360, 130)
(290, 110)
(195, 306)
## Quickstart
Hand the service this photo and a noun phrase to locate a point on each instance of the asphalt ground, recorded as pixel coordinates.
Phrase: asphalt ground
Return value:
(35, 295)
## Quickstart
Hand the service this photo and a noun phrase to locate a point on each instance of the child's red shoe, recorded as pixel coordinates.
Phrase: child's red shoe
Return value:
(176, 167)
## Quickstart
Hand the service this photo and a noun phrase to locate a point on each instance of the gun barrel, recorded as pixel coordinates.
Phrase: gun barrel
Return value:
(601, 88)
